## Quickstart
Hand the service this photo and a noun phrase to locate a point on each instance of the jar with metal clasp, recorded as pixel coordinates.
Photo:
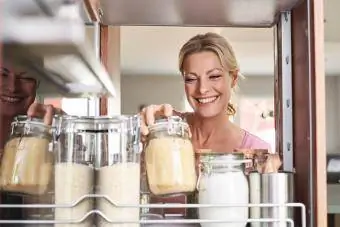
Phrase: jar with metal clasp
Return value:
(47, 213)
(118, 168)
(170, 158)
(98, 155)
(74, 168)
(27, 161)
(222, 181)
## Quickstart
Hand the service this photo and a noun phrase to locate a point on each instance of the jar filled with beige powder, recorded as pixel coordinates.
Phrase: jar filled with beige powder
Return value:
(26, 165)
(169, 158)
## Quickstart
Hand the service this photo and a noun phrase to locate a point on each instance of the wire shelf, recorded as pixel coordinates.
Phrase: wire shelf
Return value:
(160, 206)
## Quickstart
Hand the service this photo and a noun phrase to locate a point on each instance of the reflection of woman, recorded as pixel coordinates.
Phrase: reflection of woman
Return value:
(17, 95)
(210, 72)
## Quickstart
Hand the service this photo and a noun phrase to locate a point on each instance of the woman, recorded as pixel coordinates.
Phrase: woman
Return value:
(17, 95)
(210, 72)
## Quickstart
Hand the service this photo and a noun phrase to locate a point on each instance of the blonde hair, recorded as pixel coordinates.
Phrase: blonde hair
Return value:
(216, 44)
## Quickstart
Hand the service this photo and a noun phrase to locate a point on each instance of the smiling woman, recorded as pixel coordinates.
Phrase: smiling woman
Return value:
(17, 91)
(17, 95)
(210, 73)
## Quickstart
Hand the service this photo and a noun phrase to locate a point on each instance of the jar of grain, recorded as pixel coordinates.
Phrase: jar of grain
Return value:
(27, 160)
(169, 158)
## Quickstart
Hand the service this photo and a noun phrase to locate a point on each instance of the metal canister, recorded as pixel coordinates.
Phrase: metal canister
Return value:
(272, 188)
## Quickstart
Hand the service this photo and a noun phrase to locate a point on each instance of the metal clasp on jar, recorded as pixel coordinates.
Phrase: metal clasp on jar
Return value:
(207, 169)
(173, 127)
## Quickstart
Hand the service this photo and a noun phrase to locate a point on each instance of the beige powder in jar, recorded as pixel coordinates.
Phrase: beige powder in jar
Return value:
(72, 181)
(121, 183)
(170, 166)
(46, 198)
(26, 166)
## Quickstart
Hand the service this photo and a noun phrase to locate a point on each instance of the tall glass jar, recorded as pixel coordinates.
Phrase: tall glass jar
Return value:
(27, 162)
(169, 158)
(222, 181)
(74, 169)
(118, 169)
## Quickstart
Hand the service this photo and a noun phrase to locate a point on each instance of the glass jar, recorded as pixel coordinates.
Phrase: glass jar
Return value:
(74, 172)
(169, 158)
(27, 161)
(98, 155)
(118, 169)
(222, 181)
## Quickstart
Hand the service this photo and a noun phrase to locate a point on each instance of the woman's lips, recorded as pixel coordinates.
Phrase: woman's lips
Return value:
(10, 99)
(206, 99)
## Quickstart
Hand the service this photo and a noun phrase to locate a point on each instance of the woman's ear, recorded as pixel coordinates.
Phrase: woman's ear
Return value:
(234, 77)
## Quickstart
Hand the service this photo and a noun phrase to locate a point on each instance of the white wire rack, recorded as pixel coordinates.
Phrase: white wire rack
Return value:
(289, 221)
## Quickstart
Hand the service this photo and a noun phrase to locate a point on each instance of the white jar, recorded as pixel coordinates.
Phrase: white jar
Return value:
(222, 181)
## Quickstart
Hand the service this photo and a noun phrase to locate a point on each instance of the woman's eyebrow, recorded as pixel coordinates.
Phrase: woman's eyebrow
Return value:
(211, 70)
(6, 70)
(21, 73)
(190, 73)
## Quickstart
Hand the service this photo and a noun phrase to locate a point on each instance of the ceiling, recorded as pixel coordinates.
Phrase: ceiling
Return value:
(154, 50)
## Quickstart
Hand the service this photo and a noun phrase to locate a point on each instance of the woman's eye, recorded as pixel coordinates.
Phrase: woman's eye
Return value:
(4, 73)
(214, 77)
(189, 80)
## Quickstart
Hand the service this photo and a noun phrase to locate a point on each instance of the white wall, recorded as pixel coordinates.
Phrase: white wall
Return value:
(137, 90)
(332, 114)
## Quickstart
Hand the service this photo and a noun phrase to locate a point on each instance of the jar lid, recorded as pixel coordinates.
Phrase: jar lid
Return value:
(97, 119)
(24, 119)
(169, 121)
(223, 158)
(173, 125)
(173, 118)
(98, 124)
(30, 125)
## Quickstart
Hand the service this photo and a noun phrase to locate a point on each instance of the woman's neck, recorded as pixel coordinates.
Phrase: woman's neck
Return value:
(5, 127)
(204, 129)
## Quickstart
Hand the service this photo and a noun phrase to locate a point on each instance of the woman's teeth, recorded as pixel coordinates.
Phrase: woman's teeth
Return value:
(207, 100)
(10, 99)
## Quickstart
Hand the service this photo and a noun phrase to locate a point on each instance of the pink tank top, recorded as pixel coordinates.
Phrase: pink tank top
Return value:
(251, 141)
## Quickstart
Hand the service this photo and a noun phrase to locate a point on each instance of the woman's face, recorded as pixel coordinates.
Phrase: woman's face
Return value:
(17, 90)
(207, 84)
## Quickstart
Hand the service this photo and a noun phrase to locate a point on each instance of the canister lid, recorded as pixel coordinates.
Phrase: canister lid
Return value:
(170, 124)
(97, 124)
(222, 158)
(23, 125)
(24, 119)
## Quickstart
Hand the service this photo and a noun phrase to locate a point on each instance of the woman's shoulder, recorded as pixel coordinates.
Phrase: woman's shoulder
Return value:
(251, 141)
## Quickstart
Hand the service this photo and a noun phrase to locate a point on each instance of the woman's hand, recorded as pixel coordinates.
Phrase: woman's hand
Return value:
(149, 113)
(43, 111)
(272, 164)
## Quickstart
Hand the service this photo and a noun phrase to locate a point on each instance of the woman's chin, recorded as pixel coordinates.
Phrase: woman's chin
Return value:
(208, 113)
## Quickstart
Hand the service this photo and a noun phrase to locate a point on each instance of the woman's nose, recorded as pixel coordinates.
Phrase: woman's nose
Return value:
(203, 87)
(11, 83)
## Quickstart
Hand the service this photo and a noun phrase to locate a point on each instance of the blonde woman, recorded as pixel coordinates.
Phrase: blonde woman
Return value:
(210, 72)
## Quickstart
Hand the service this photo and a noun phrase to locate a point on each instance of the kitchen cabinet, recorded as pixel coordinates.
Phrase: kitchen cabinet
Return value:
(58, 50)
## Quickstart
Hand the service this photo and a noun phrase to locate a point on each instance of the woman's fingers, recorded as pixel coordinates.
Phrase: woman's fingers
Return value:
(168, 110)
(144, 127)
(149, 114)
(46, 112)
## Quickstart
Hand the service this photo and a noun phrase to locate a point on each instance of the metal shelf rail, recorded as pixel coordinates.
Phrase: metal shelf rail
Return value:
(162, 221)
